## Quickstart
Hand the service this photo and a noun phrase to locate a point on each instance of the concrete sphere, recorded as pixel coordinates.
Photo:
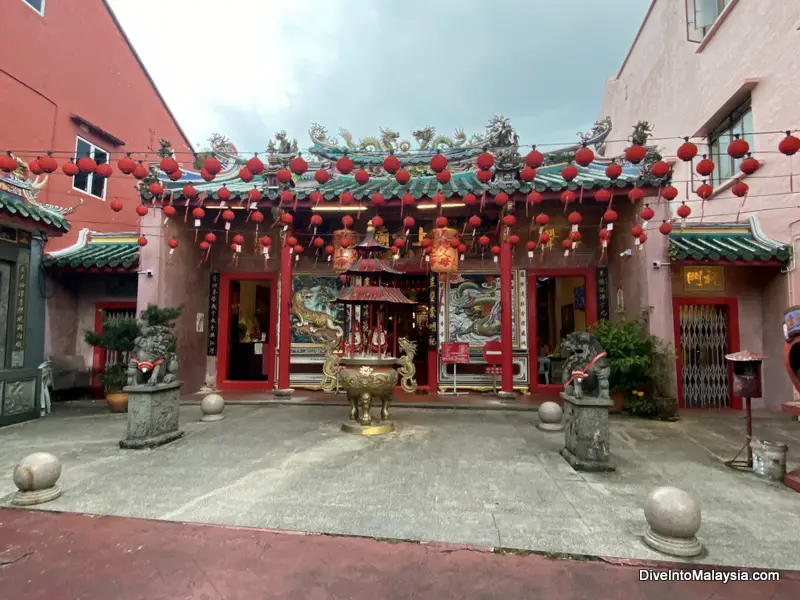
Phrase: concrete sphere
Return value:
(672, 513)
(550, 412)
(37, 471)
(212, 407)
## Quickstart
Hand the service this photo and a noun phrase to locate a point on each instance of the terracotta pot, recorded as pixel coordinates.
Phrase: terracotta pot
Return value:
(117, 402)
(667, 407)
(619, 402)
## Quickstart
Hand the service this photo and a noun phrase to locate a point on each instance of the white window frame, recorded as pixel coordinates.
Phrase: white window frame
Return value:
(693, 12)
(722, 135)
(90, 176)
(34, 9)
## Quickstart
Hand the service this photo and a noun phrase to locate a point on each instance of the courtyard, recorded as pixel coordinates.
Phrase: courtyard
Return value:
(484, 478)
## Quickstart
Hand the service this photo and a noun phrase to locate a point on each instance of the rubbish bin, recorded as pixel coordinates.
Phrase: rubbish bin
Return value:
(769, 459)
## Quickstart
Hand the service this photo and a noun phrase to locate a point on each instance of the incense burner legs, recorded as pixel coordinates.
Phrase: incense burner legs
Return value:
(363, 383)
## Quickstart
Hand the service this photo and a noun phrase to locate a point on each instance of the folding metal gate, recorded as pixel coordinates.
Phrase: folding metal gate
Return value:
(704, 344)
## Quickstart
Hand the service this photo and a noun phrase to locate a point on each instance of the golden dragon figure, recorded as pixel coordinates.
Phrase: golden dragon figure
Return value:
(406, 368)
(330, 368)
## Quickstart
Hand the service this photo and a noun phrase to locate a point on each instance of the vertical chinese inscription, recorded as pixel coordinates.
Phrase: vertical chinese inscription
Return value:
(433, 304)
(603, 299)
(19, 319)
(213, 314)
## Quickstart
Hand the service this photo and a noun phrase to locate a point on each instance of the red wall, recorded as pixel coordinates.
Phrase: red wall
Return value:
(75, 60)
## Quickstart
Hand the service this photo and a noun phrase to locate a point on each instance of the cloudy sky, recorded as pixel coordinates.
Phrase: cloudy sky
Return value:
(261, 66)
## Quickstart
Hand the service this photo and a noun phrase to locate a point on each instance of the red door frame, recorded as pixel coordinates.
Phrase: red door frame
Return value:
(225, 335)
(733, 339)
(590, 283)
(99, 354)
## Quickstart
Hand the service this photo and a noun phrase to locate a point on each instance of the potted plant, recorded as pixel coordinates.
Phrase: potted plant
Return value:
(117, 337)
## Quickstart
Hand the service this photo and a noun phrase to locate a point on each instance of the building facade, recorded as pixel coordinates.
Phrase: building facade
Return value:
(713, 70)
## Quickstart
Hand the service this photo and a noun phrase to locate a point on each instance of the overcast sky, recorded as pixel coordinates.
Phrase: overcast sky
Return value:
(247, 69)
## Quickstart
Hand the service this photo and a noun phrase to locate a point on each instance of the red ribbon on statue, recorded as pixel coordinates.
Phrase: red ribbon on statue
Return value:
(145, 366)
(584, 374)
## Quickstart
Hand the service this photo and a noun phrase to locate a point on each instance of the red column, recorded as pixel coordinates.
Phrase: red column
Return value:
(505, 318)
(285, 338)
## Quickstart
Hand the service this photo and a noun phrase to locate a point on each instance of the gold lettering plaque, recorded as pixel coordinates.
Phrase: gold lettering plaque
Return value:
(704, 279)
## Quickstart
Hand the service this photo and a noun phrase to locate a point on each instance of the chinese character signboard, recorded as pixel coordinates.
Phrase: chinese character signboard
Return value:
(455, 353)
(213, 315)
(433, 300)
(19, 319)
(704, 279)
(603, 298)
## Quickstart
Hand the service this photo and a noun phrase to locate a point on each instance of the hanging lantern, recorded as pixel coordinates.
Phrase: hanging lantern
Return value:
(238, 240)
(86, 164)
(344, 165)
(602, 195)
(635, 195)
(156, 189)
(749, 165)
(669, 193)
(647, 214)
(48, 164)
(254, 197)
(609, 217)
(635, 154)
(189, 192)
(740, 189)
(227, 216)
(390, 164)
(527, 174)
(402, 177)
(496, 252)
(738, 148)
(534, 198)
(116, 205)
(659, 169)
(443, 177)
(246, 175)
(613, 171)
(683, 212)
(174, 176)
(344, 254)
(104, 170)
(198, 214)
(438, 162)
(569, 172)
(142, 241)
(329, 250)
(705, 167)
(168, 211)
(211, 238)
(377, 222)
(544, 240)
(530, 245)
(509, 220)
(534, 158)
(70, 168)
(291, 241)
(140, 171)
(257, 218)
(286, 197)
(584, 156)
(378, 199)
(206, 175)
(637, 233)
(204, 246)
(641, 240)
(575, 236)
(687, 150)
(665, 228)
(284, 176)
(604, 235)
(361, 177)
(567, 196)
(474, 221)
(542, 220)
(408, 199)
(484, 176)
(501, 198)
(484, 240)
(318, 242)
(444, 255)
(705, 191)
(567, 246)
(347, 221)
(125, 164)
(212, 165)
(141, 210)
(470, 199)
(408, 223)
(223, 194)
(173, 244)
(441, 222)
(298, 165)
(575, 219)
(347, 198)
(513, 239)
(169, 165)
(322, 177)
(286, 219)
(315, 197)
(34, 167)
(254, 165)
(790, 145)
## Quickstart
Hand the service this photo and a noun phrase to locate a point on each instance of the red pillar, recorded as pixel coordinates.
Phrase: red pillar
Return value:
(285, 338)
(507, 382)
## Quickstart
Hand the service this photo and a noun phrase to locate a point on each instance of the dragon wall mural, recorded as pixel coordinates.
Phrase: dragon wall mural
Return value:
(474, 309)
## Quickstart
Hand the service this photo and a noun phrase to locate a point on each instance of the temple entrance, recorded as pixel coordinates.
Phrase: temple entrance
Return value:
(412, 321)
(247, 331)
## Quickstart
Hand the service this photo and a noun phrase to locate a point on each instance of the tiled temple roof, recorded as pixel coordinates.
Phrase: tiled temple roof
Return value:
(364, 266)
(362, 294)
(105, 251)
(726, 242)
(41, 214)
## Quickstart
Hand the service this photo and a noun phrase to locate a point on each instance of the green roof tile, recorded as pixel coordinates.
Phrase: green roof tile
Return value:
(716, 244)
(103, 254)
(17, 205)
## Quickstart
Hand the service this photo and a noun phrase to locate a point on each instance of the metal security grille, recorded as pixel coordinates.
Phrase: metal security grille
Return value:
(704, 343)
(112, 314)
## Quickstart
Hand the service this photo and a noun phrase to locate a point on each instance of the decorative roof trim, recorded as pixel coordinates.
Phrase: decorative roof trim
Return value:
(83, 239)
(760, 236)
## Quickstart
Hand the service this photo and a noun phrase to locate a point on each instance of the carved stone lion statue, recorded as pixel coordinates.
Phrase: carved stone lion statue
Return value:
(153, 359)
(587, 368)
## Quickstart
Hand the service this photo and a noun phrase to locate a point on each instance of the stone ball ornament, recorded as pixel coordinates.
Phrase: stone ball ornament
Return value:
(212, 406)
(673, 519)
(35, 477)
(551, 417)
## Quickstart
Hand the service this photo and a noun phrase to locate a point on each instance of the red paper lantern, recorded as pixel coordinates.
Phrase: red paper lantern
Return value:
(172, 243)
(211, 238)
(291, 241)
(198, 214)
(527, 173)
(544, 239)
(509, 220)
(575, 236)
(140, 171)
(402, 177)
(315, 197)
(47, 163)
(142, 241)
(643, 238)
(602, 195)
(223, 194)
(254, 195)
(513, 239)
(566, 244)
(238, 239)
(347, 198)
(439, 162)
(647, 213)
(168, 211)
(470, 199)
(104, 170)
(156, 189)
(286, 196)
(246, 175)
(613, 171)
(443, 177)
(257, 217)
(391, 164)
(399, 243)
(534, 158)
(495, 250)
(789, 145)
(610, 216)
(569, 172)
(378, 199)
(322, 177)
(584, 156)
(684, 211)
(749, 165)
(501, 198)
(705, 167)
(740, 189)
(347, 221)
(298, 165)
(283, 176)
(254, 165)
(567, 196)
(475, 221)
(228, 215)
(141, 210)
(687, 150)
(189, 192)
(377, 221)
(669, 193)
(704, 191)
(287, 218)
(485, 161)
(604, 235)
(316, 220)
(542, 219)
(659, 169)
(738, 148)
(484, 176)
(70, 168)
(441, 222)
(329, 249)
(212, 165)
(454, 243)
(174, 176)
(635, 154)
(408, 199)
(206, 175)
(125, 164)
(204, 246)
(408, 222)
(344, 165)
(34, 167)
(530, 245)
(665, 228)
(86, 164)
(535, 197)
(426, 243)
(636, 231)
(169, 165)
(362, 177)
(484, 240)
(575, 217)
(636, 194)
(318, 242)
(462, 248)
(116, 205)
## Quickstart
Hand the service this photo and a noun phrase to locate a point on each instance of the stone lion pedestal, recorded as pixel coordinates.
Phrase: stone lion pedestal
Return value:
(152, 415)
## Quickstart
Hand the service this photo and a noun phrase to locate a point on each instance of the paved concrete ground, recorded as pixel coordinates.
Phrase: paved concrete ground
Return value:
(479, 477)
(50, 556)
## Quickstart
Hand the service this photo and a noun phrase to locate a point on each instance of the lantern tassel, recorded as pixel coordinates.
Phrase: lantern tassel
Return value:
(483, 200)
(195, 235)
(580, 196)
(219, 214)
(741, 206)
